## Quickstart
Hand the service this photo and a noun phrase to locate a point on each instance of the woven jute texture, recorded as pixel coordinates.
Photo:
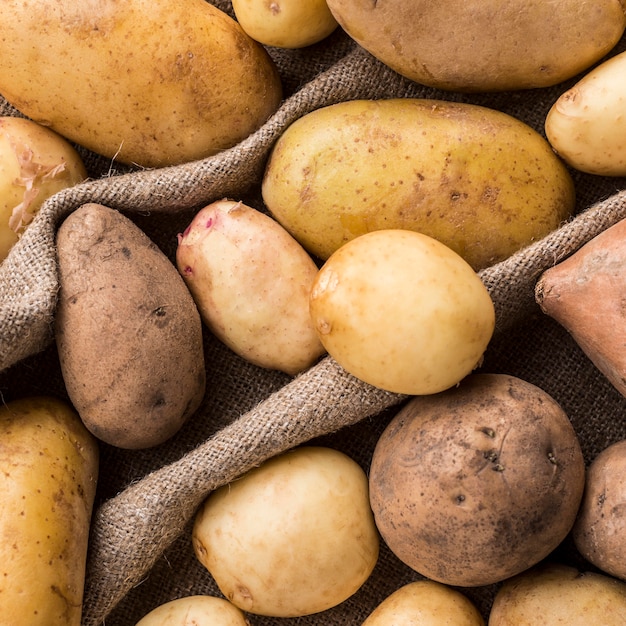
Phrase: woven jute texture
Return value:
(140, 552)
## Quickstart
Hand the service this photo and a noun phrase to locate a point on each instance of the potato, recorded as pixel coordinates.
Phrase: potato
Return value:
(484, 45)
(152, 83)
(285, 23)
(48, 476)
(128, 333)
(251, 282)
(476, 179)
(478, 483)
(600, 527)
(586, 125)
(197, 611)
(35, 163)
(559, 594)
(402, 312)
(291, 537)
(425, 603)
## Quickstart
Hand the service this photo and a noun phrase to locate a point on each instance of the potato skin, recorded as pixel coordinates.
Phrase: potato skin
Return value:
(476, 179)
(128, 333)
(484, 45)
(476, 484)
(48, 476)
(145, 82)
(195, 611)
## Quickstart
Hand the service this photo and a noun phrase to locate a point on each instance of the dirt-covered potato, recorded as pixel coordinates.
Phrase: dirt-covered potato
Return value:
(35, 163)
(558, 594)
(292, 537)
(195, 611)
(600, 529)
(148, 82)
(48, 475)
(128, 333)
(484, 45)
(251, 281)
(479, 180)
(478, 483)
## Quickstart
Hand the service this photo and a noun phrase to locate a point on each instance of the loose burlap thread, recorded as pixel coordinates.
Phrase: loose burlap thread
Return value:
(139, 550)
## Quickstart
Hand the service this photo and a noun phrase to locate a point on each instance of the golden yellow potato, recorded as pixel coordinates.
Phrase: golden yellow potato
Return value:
(251, 282)
(48, 475)
(148, 82)
(195, 611)
(476, 179)
(402, 312)
(559, 595)
(425, 603)
(587, 126)
(285, 23)
(35, 163)
(293, 536)
(484, 45)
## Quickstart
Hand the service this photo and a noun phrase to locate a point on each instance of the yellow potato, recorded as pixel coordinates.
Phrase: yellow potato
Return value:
(484, 45)
(197, 611)
(476, 179)
(285, 23)
(35, 163)
(148, 82)
(402, 311)
(251, 282)
(48, 474)
(293, 536)
(587, 124)
(425, 603)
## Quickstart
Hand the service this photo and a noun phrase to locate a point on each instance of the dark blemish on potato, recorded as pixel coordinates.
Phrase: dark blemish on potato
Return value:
(491, 455)
(126, 252)
(602, 499)
(498, 467)
(552, 458)
(160, 316)
(460, 499)
(490, 432)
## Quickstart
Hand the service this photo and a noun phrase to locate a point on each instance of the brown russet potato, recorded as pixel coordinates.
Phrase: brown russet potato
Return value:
(477, 483)
(48, 478)
(128, 333)
(151, 83)
(484, 45)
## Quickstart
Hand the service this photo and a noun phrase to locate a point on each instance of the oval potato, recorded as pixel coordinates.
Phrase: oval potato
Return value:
(476, 179)
(197, 611)
(151, 83)
(484, 45)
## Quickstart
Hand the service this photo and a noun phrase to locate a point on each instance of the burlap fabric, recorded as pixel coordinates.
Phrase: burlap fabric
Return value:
(140, 554)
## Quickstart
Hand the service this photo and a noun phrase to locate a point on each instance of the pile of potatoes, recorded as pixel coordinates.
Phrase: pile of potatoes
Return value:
(377, 217)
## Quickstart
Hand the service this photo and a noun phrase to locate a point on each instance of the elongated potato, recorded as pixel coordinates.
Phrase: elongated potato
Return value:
(148, 82)
(48, 475)
(478, 180)
(128, 333)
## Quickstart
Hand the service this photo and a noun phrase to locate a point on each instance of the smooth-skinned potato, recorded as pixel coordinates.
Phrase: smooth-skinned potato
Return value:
(479, 180)
(484, 45)
(128, 333)
(151, 83)
(48, 476)
(478, 483)
(35, 163)
(195, 611)
(402, 312)
(291, 537)
(251, 281)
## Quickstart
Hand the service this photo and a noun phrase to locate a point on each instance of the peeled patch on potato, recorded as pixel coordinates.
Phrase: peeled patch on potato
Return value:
(478, 483)
(48, 476)
(128, 333)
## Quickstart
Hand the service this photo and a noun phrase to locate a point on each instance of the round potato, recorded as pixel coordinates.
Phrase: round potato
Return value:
(148, 82)
(478, 483)
(484, 45)
(586, 125)
(425, 603)
(600, 528)
(559, 594)
(476, 179)
(402, 312)
(293, 536)
(197, 611)
(285, 23)
(35, 163)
